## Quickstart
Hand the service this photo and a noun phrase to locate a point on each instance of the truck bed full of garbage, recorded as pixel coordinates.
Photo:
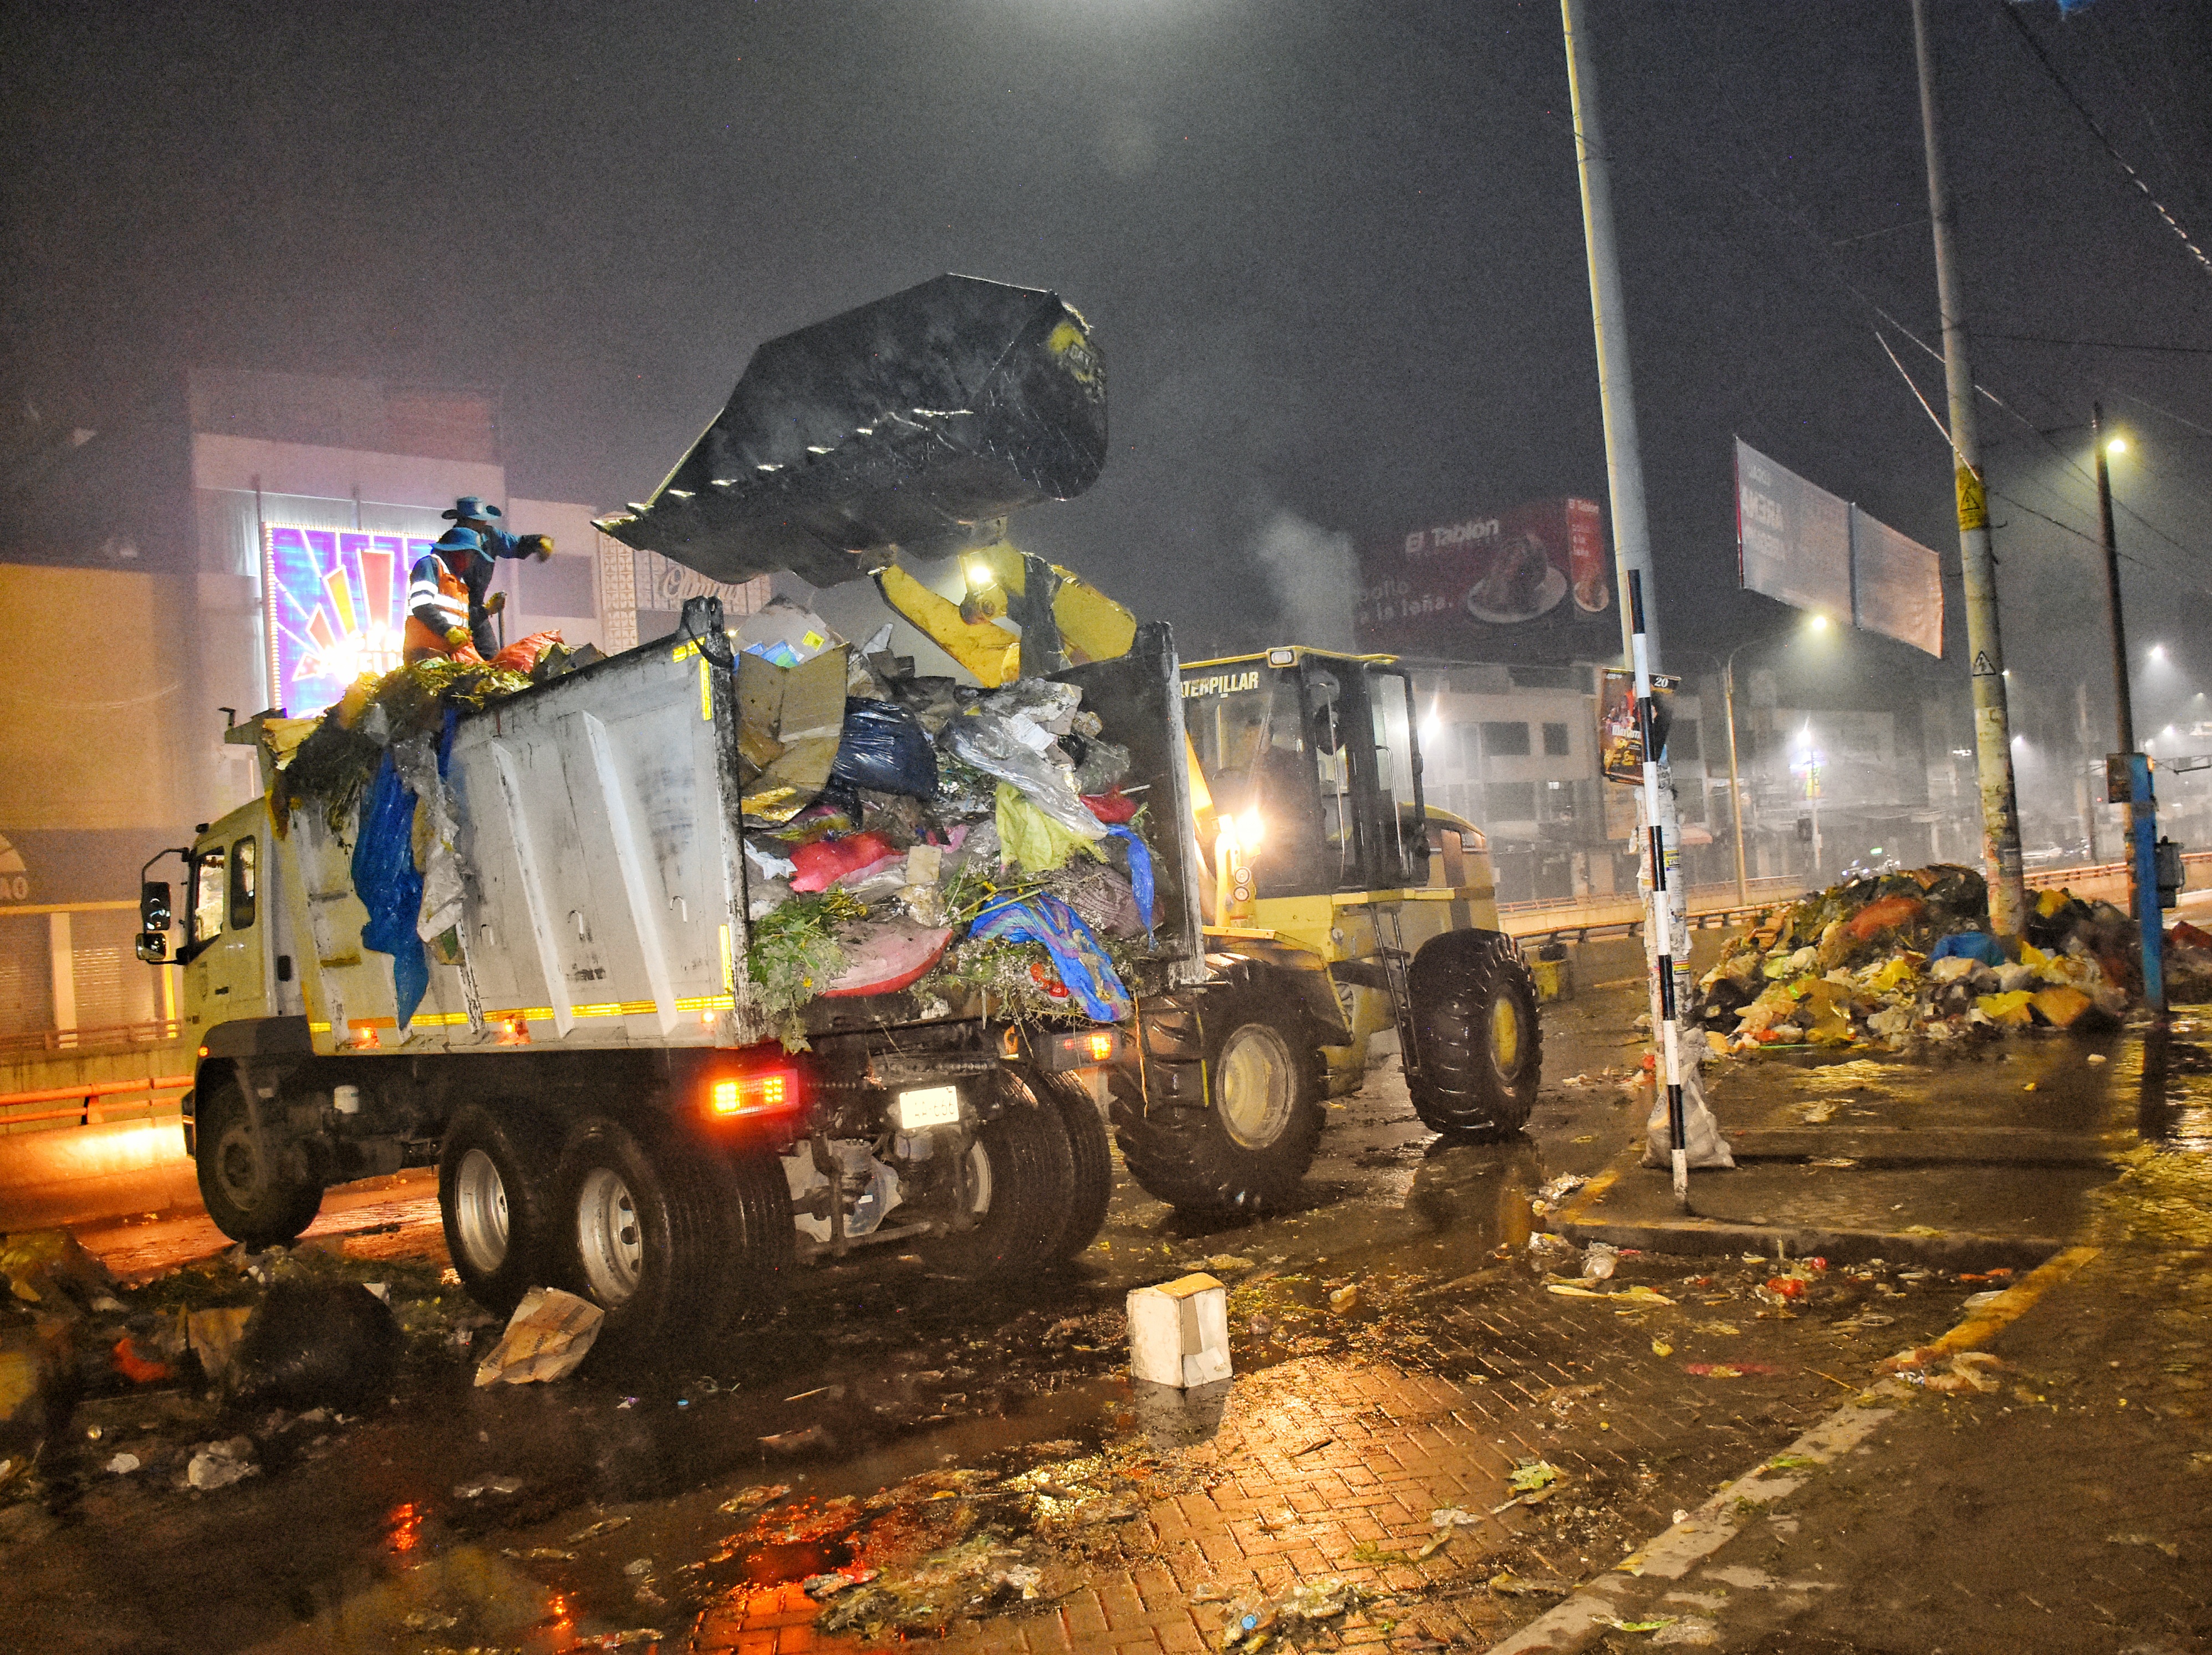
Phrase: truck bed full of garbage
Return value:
(1908, 957)
(729, 836)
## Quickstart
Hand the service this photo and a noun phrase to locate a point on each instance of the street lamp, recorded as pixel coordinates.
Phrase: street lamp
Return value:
(1815, 622)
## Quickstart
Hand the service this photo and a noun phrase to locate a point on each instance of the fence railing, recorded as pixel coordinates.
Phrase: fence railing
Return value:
(91, 1103)
(113, 1037)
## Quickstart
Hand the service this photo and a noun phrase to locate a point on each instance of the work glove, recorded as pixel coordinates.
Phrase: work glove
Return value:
(541, 546)
(494, 604)
(457, 636)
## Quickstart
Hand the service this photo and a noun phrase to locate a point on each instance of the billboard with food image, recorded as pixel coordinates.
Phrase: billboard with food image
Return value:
(1532, 583)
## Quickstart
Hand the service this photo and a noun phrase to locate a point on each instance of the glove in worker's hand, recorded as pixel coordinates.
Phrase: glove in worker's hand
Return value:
(541, 547)
(458, 636)
(494, 604)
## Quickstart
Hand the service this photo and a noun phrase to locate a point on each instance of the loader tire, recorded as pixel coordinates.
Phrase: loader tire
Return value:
(1020, 1187)
(1246, 1147)
(1473, 1005)
(642, 1226)
(495, 1192)
(1093, 1159)
(248, 1191)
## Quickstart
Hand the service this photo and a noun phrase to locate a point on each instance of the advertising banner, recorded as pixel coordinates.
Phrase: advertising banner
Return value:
(334, 605)
(1531, 584)
(1793, 537)
(1897, 585)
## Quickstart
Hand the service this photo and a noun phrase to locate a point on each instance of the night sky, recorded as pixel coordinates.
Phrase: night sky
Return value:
(1333, 254)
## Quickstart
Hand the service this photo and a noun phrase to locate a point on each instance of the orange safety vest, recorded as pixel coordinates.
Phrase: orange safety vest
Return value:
(449, 597)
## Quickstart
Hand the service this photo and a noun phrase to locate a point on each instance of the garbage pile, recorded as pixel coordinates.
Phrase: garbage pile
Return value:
(905, 831)
(1907, 958)
(200, 1378)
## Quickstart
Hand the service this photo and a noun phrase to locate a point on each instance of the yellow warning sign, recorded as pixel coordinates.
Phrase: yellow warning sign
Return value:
(1974, 503)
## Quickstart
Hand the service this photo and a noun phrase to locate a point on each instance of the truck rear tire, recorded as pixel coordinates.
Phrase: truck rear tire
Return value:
(1248, 1149)
(246, 1192)
(1473, 1005)
(495, 1174)
(1092, 1156)
(643, 1223)
(1022, 1183)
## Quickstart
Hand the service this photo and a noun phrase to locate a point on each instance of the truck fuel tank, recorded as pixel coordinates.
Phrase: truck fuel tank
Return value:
(902, 423)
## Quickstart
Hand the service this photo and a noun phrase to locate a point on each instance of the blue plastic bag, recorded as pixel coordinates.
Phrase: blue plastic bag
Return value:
(1140, 873)
(883, 747)
(1970, 945)
(1084, 967)
(390, 886)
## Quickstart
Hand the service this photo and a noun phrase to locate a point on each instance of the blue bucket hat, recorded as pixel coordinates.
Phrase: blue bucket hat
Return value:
(472, 508)
(458, 545)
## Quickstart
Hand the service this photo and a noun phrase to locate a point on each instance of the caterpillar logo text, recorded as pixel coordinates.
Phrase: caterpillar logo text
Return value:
(1221, 683)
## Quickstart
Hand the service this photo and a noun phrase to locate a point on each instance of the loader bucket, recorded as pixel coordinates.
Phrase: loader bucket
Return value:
(902, 423)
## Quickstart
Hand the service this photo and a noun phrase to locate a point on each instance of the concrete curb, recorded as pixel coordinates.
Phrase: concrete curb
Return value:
(1668, 1556)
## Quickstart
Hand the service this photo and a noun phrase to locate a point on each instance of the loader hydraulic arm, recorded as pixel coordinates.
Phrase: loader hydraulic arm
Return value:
(1062, 619)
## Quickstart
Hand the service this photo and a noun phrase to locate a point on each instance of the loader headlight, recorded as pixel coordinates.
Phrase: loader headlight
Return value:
(1251, 828)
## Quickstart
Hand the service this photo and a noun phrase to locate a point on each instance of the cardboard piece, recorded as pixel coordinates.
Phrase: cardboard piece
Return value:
(1179, 1332)
(790, 720)
(548, 1335)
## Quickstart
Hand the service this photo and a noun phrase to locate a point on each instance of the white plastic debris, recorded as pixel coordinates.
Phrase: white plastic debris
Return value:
(1179, 1332)
(550, 1332)
(219, 1465)
(124, 1465)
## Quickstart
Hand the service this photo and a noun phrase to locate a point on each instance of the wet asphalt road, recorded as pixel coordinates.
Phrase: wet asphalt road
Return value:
(877, 1371)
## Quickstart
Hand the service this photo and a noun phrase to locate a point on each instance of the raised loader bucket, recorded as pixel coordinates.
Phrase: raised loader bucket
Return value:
(899, 424)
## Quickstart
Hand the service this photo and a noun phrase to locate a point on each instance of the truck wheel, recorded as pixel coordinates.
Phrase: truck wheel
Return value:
(1020, 1185)
(763, 1240)
(1093, 1159)
(494, 1188)
(1474, 1006)
(642, 1221)
(1248, 1149)
(249, 1195)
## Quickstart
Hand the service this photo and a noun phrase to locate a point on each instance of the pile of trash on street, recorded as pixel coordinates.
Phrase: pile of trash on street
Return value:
(905, 831)
(199, 1380)
(1908, 957)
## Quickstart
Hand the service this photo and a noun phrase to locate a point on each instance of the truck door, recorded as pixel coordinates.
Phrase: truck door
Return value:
(226, 965)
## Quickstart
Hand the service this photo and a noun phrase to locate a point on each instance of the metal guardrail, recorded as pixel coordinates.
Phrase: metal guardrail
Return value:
(92, 1102)
(109, 1038)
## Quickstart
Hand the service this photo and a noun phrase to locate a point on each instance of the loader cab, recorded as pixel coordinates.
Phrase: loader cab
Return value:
(227, 920)
(1313, 753)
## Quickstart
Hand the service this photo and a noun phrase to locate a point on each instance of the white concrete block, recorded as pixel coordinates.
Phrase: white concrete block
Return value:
(1179, 1332)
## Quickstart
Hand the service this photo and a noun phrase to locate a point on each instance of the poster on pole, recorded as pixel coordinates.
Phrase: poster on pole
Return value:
(1897, 585)
(1793, 537)
(1619, 741)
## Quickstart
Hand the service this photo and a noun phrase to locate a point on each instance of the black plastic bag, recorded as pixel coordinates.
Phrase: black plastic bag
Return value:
(883, 747)
(316, 1344)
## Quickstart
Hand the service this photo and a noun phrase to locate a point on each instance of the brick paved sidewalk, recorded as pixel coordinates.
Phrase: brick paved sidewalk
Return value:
(1327, 1468)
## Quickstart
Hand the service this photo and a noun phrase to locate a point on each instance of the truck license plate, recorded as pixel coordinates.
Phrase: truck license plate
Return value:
(928, 1105)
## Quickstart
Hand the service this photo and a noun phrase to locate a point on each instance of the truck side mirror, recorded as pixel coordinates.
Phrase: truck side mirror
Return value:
(153, 907)
(154, 947)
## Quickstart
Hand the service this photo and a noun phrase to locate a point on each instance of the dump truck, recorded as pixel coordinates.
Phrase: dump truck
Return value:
(530, 946)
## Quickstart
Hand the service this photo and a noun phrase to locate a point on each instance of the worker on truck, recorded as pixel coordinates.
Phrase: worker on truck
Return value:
(479, 516)
(439, 598)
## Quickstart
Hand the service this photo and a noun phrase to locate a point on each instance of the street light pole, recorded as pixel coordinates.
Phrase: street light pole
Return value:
(1735, 785)
(2123, 702)
(1984, 645)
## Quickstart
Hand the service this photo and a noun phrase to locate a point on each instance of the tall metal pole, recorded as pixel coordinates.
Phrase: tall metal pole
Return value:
(1736, 786)
(2123, 703)
(1985, 648)
(1666, 931)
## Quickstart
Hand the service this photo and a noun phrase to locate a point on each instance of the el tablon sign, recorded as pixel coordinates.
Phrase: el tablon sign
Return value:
(1531, 584)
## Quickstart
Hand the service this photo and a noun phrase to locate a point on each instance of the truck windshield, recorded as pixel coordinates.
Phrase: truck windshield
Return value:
(1282, 777)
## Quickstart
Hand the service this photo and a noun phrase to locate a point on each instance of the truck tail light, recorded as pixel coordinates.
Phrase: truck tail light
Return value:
(1083, 1049)
(762, 1092)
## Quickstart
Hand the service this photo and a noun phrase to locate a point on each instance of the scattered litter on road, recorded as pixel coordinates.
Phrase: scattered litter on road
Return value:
(1510, 1585)
(548, 1336)
(218, 1464)
(604, 1525)
(753, 1497)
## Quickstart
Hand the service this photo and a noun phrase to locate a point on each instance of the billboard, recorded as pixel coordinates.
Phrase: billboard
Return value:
(1798, 542)
(1793, 537)
(1532, 583)
(333, 605)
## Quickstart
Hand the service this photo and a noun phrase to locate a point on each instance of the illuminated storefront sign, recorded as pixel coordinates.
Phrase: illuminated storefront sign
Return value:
(334, 604)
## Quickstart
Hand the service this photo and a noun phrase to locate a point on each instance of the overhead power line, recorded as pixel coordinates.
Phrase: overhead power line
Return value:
(2011, 14)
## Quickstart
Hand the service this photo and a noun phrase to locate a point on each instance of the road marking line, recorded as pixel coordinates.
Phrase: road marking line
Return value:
(1670, 1554)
